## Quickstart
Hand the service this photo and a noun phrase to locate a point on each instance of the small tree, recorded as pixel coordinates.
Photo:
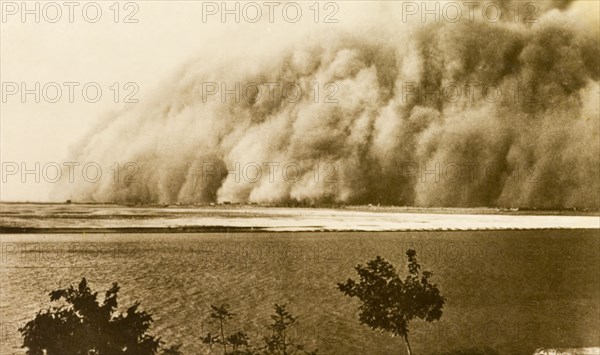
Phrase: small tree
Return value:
(389, 303)
(236, 340)
(82, 325)
(279, 342)
(282, 321)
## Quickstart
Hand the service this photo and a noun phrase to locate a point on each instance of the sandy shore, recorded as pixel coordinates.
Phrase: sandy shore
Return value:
(75, 218)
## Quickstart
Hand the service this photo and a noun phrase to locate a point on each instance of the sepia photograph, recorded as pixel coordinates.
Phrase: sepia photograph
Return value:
(300, 177)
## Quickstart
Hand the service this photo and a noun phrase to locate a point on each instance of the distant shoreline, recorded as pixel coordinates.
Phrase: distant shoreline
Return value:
(230, 230)
(362, 208)
(23, 218)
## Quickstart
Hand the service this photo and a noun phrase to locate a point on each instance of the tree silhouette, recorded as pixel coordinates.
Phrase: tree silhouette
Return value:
(278, 342)
(239, 341)
(389, 303)
(82, 325)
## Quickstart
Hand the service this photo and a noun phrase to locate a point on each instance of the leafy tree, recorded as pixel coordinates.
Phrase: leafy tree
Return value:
(279, 343)
(82, 325)
(390, 303)
(236, 340)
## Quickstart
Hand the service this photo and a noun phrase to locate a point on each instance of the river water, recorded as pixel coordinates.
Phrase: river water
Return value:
(513, 291)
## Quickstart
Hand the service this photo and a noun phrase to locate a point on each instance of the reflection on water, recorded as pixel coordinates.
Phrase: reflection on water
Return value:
(514, 291)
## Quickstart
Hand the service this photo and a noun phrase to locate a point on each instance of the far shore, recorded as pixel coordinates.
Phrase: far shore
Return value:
(366, 208)
(54, 218)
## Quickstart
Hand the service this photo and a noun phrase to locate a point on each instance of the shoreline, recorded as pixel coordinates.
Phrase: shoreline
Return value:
(75, 218)
(359, 208)
(251, 230)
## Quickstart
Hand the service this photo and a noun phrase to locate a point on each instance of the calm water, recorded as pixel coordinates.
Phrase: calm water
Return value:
(511, 290)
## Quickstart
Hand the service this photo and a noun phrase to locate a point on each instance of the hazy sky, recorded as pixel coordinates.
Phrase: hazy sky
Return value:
(166, 35)
(82, 52)
(162, 37)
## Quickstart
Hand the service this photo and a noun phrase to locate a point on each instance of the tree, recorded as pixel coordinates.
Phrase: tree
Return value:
(279, 342)
(236, 340)
(82, 325)
(389, 303)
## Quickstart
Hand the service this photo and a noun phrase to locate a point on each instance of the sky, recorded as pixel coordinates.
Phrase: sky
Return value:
(149, 42)
(137, 48)
(81, 52)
